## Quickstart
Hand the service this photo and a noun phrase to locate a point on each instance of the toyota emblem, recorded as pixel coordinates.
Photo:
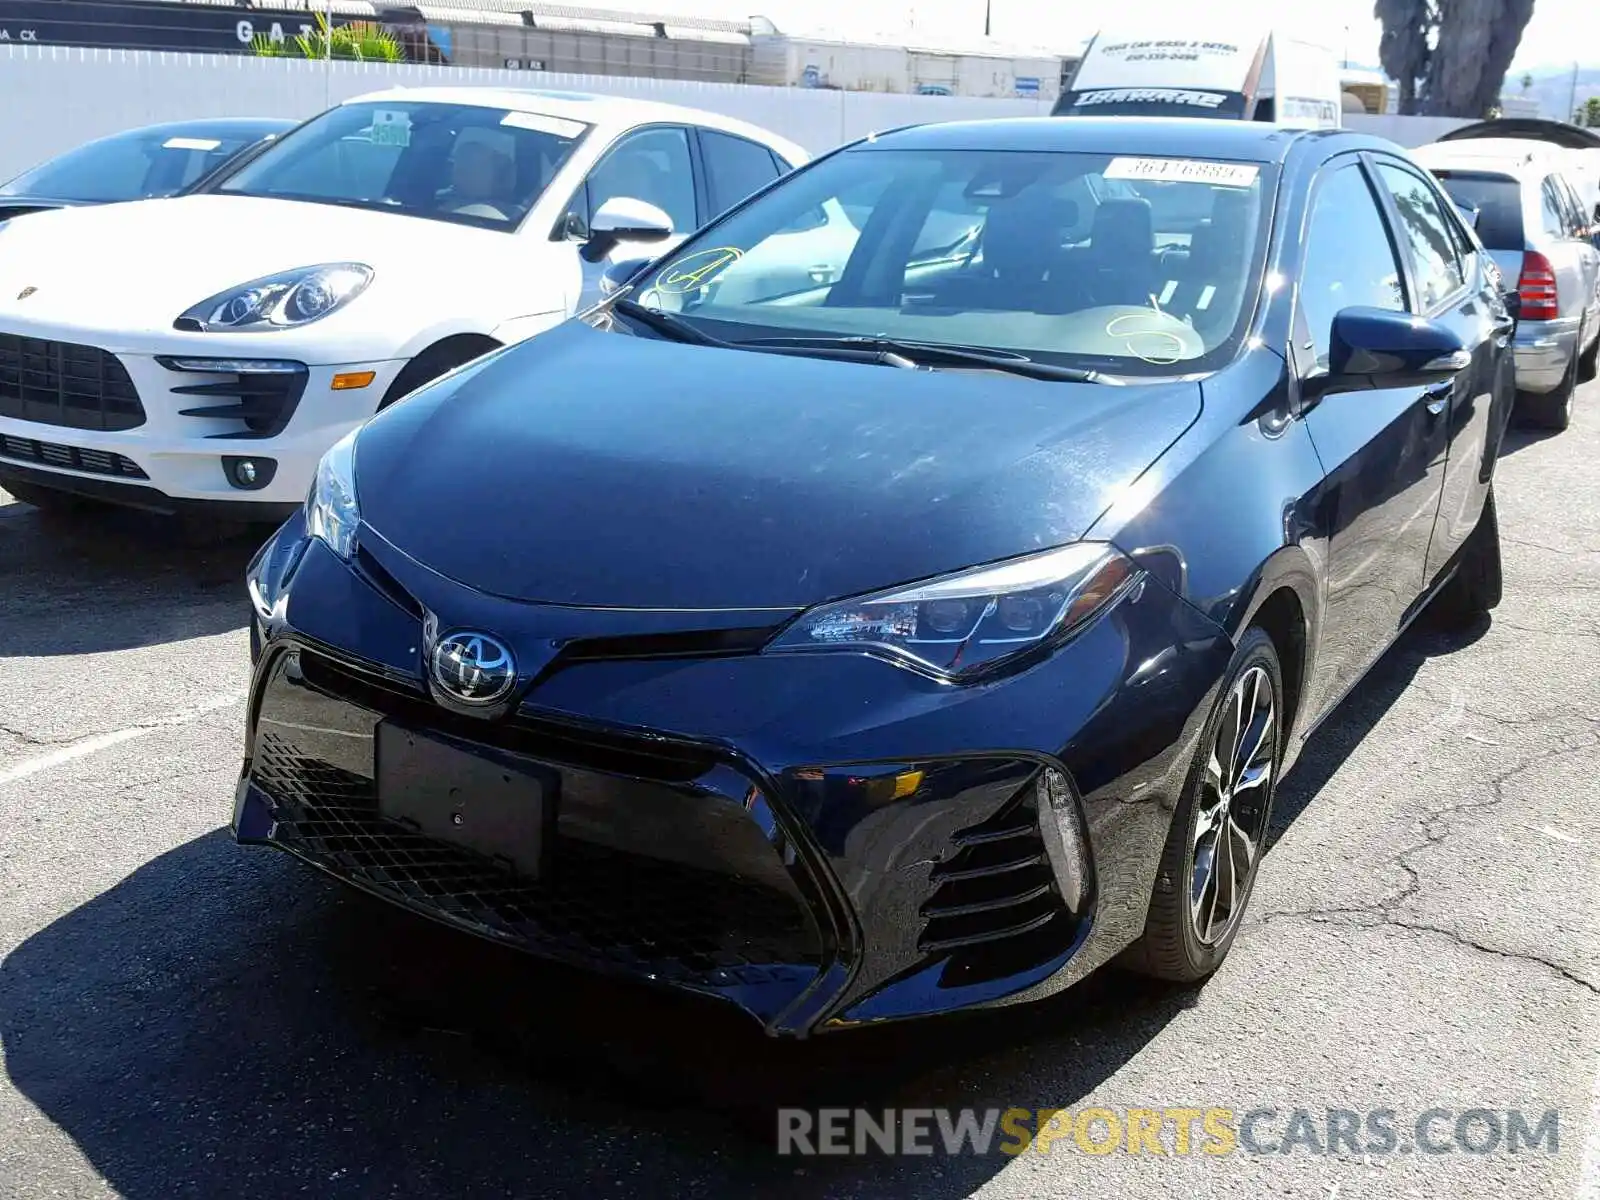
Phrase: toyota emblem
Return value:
(473, 668)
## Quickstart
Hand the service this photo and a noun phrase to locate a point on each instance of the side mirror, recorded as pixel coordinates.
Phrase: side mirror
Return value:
(624, 219)
(1513, 302)
(619, 273)
(1380, 348)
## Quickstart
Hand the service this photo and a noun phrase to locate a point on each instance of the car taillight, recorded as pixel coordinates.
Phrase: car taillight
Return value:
(1538, 288)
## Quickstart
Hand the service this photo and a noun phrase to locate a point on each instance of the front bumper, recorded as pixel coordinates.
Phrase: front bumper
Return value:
(154, 428)
(724, 824)
(1544, 351)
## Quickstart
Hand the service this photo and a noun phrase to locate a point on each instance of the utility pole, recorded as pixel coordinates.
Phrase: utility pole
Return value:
(988, 12)
(1572, 98)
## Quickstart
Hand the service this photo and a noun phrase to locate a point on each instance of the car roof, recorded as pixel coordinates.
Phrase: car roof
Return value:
(1507, 156)
(1186, 137)
(611, 112)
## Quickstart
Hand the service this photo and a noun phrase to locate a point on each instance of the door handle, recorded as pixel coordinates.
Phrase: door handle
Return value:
(1438, 398)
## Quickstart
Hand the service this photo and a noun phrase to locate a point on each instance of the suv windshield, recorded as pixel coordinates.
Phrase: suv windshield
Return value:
(131, 166)
(446, 162)
(1134, 266)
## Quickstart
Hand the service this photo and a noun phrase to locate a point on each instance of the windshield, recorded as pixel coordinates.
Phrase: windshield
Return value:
(446, 162)
(129, 166)
(1134, 266)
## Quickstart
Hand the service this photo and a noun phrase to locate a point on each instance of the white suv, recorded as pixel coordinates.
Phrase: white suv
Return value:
(205, 350)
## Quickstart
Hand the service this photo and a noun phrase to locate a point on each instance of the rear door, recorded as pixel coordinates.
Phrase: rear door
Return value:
(1581, 230)
(1569, 255)
(1449, 285)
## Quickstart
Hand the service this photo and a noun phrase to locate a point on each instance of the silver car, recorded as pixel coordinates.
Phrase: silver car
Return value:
(1526, 211)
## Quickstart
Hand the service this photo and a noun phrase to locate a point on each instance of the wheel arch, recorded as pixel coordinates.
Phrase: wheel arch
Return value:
(1284, 601)
(443, 354)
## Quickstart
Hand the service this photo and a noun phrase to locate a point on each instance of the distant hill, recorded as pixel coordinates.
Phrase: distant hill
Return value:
(1553, 89)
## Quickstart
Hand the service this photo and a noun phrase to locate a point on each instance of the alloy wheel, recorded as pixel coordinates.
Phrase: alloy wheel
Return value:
(1235, 791)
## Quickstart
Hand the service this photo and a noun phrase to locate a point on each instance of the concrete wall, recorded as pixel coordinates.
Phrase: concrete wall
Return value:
(54, 97)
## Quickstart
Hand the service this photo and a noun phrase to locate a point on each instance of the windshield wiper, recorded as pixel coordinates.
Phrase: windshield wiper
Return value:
(932, 354)
(666, 324)
(671, 326)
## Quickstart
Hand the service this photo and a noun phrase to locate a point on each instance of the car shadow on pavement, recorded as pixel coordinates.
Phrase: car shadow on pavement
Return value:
(224, 1022)
(1359, 712)
(115, 580)
(1521, 437)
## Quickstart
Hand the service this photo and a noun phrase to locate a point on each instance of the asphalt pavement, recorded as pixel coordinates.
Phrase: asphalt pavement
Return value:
(181, 1017)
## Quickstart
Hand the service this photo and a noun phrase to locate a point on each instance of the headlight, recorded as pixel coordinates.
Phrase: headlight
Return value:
(280, 301)
(331, 510)
(966, 623)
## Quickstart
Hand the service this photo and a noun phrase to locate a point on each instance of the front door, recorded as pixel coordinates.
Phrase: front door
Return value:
(1448, 288)
(1383, 450)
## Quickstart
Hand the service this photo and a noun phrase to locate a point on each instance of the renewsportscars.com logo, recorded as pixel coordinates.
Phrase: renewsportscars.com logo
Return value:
(1210, 1132)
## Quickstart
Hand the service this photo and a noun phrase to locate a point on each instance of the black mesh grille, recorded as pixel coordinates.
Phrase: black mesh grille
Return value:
(995, 907)
(595, 906)
(59, 383)
(76, 458)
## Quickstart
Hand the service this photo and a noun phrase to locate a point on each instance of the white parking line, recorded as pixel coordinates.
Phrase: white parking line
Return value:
(1549, 831)
(104, 741)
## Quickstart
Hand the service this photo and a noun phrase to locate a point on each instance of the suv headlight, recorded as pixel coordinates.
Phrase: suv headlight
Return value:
(965, 624)
(331, 510)
(282, 301)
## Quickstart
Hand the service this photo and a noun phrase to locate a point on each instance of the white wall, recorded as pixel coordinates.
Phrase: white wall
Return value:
(55, 97)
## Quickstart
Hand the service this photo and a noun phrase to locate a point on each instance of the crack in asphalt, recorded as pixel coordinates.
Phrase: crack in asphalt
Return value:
(1385, 912)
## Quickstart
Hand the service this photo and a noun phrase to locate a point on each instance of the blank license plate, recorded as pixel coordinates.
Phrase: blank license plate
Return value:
(485, 801)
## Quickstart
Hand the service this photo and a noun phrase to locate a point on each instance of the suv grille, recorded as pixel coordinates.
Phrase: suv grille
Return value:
(60, 383)
(74, 458)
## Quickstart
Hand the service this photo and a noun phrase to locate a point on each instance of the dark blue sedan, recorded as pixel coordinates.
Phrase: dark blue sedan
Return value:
(908, 593)
(154, 160)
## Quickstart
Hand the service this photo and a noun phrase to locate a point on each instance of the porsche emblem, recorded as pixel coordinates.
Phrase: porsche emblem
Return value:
(26, 292)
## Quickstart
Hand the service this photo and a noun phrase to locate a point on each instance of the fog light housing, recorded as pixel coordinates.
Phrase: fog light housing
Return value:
(249, 474)
(1065, 840)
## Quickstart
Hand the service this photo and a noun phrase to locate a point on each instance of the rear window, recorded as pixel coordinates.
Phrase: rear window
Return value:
(1498, 200)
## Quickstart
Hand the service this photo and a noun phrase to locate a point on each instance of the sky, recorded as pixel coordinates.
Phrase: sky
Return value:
(1558, 26)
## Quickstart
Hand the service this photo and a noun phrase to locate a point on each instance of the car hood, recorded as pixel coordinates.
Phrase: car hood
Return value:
(121, 263)
(601, 469)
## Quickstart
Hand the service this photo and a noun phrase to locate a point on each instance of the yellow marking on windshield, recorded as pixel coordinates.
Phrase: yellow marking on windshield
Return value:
(693, 270)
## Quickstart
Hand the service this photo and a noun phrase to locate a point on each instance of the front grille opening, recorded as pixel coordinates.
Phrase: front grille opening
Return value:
(72, 458)
(595, 906)
(707, 643)
(636, 757)
(62, 383)
(995, 909)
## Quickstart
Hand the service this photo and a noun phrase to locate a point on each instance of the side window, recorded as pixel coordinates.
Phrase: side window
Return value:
(652, 165)
(1576, 222)
(1425, 231)
(1349, 259)
(734, 168)
(1551, 210)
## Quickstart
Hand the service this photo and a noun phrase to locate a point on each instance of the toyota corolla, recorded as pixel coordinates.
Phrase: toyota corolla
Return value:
(919, 632)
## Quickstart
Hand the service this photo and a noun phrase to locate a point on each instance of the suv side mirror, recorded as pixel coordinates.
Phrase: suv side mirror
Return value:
(619, 273)
(624, 219)
(1380, 348)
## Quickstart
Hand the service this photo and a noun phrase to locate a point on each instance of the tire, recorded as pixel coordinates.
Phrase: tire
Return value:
(49, 500)
(1478, 583)
(1589, 361)
(432, 363)
(1183, 941)
(1550, 410)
